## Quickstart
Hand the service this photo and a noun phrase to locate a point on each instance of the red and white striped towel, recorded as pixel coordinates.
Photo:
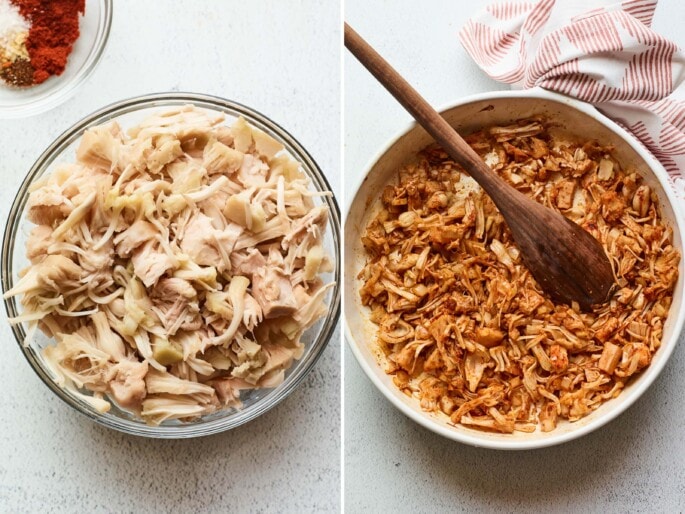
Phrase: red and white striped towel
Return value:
(606, 55)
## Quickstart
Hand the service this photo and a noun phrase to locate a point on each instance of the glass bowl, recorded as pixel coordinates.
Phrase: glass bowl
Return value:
(94, 26)
(255, 402)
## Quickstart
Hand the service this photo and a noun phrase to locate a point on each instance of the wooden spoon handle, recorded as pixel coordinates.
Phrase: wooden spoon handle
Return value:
(422, 112)
(566, 260)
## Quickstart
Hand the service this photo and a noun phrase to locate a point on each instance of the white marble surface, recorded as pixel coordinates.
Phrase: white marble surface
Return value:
(635, 464)
(283, 59)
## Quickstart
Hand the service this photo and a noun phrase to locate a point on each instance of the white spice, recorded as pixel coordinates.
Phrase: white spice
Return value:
(13, 31)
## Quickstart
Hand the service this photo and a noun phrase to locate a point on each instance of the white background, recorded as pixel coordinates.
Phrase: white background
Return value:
(282, 59)
(635, 464)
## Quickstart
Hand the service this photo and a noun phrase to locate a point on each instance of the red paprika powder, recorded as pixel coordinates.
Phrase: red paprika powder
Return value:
(54, 29)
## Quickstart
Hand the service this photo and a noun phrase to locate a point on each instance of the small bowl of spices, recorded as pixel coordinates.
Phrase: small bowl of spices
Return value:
(47, 49)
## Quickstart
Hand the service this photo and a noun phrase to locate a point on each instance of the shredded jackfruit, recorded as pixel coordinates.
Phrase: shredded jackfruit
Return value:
(163, 257)
(464, 326)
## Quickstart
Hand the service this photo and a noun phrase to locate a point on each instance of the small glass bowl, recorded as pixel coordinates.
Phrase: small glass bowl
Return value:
(13, 259)
(94, 27)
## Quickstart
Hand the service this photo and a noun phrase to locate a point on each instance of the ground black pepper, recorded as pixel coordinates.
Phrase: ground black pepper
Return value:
(18, 73)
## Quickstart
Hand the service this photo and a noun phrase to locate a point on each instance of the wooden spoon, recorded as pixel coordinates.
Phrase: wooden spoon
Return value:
(568, 263)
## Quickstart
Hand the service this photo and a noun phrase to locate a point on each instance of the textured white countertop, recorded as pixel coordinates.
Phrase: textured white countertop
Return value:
(283, 59)
(635, 464)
